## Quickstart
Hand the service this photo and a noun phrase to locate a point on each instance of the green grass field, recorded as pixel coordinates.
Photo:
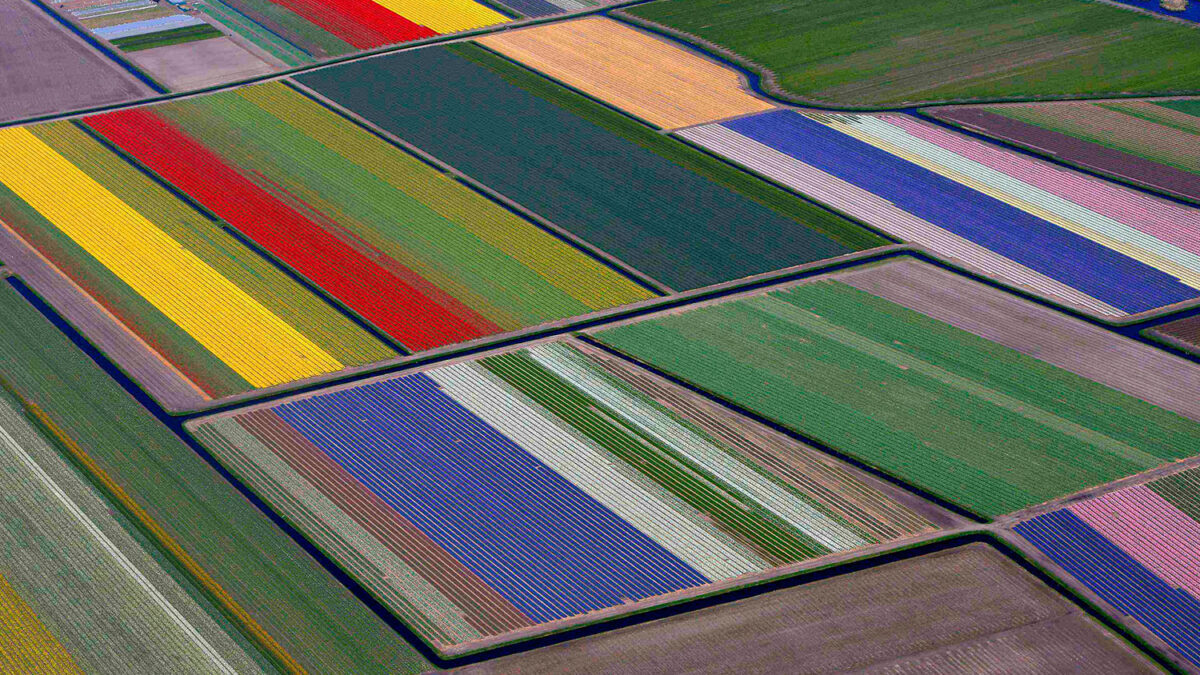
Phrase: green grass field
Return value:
(862, 53)
(964, 418)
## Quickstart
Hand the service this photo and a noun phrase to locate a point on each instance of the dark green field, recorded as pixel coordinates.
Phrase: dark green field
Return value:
(976, 423)
(892, 52)
(297, 602)
(667, 209)
(164, 38)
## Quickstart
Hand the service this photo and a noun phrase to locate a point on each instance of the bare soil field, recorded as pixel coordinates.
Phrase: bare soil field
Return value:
(965, 609)
(193, 65)
(45, 69)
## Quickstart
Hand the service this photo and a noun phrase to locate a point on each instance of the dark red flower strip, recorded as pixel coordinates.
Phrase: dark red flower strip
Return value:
(362, 23)
(392, 305)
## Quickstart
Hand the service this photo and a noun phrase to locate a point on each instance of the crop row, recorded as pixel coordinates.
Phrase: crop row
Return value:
(250, 562)
(667, 209)
(1064, 235)
(1138, 549)
(541, 485)
(977, 423)
(303, 31)
(1150, 142)
(189, 290)
(423, 258)
(78, 593)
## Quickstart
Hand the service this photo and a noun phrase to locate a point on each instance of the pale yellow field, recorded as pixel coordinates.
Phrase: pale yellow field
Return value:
(642, 75)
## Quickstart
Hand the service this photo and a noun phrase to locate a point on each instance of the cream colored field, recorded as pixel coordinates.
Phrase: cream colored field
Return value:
(651, 78)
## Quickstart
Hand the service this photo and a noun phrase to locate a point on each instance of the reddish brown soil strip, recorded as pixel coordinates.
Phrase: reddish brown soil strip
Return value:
(1184, 333)
(1076, 151)
(488, 612)
(132, 355)
(927, 614)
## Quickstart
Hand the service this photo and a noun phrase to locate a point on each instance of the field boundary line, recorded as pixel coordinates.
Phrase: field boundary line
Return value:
(1066, 585)
(647, 308)
(490, 344)
(254, 247)
(1149, 475)
(1032, 151)
(104, 50)
(541, 222)
(432, 41)
(765, 82)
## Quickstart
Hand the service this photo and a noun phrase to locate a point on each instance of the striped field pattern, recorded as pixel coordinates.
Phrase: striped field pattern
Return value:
(303, 31)
(1154, 143)
(536, 8)
(1183, 333)
(421, 257)
(645, 76)
(1139, 549)
(200, 304)
(673, 212)
(538, 486)
(78, 593)
(1080, 241)
(989, 427)
(280, 596)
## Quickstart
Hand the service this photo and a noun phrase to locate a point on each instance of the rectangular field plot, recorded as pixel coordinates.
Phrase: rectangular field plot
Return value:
(965, 610)
(78, 592)
(45, 69)
(520, 493)
(289, 601)
(1182, 333)
(1154, 143)
(298, 32)
(889, 53)
(1137, 548)
(180, 304)
(950, 385)
(537, 8)
(645, 76)
(671, 211)
(1079, 241)
(418, 255)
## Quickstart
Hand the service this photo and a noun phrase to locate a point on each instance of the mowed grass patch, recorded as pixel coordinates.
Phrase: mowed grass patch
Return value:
(893, 52)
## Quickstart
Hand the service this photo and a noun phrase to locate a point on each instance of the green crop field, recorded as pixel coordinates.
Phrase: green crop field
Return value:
(892, 52)
(971, 421)
(665, 207)
(312, 616)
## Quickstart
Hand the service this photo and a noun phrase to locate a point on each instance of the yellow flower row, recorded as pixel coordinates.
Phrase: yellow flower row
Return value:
(232, 325)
